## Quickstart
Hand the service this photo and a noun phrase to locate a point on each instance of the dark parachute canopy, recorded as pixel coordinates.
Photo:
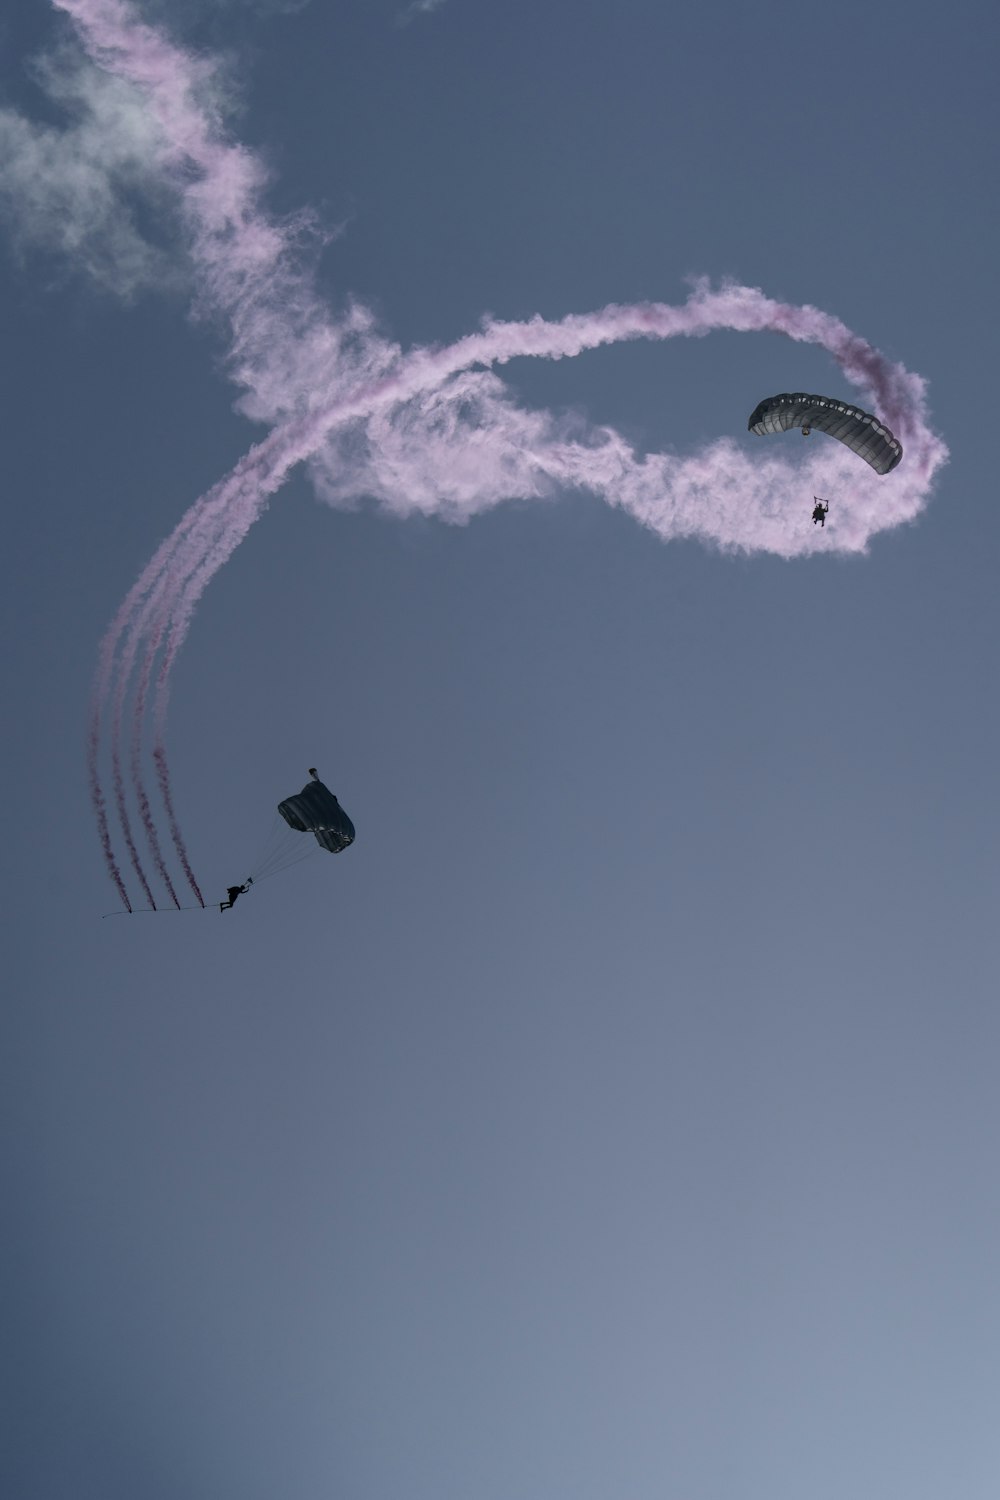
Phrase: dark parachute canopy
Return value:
(316, 810)
(864, 434)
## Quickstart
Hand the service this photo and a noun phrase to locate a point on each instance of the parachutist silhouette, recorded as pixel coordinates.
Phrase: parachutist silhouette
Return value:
(234, 892)
(820, 510)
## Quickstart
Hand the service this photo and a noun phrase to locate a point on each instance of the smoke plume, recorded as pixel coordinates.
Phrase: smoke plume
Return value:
(429, 431)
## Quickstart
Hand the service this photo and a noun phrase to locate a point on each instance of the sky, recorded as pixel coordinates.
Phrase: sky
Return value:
(617, 1115)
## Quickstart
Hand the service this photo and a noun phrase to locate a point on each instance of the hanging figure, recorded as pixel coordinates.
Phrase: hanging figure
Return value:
(820, 510)
(234, 892)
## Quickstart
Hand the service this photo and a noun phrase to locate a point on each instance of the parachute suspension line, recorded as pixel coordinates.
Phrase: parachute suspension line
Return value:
(301, 826)
(280, 868)
(281, 849)
(278, 846)
(267, 850)
(283, 860)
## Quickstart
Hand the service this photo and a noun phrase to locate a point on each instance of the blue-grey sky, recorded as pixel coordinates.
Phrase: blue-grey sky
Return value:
(618, 1115)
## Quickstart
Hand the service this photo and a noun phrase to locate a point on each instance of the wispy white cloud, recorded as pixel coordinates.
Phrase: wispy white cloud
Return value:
(417, 8)
(87, 191)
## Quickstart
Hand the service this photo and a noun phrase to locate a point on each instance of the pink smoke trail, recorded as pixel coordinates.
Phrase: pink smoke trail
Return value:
(124, 673)
(133, 609)
(435, 431)
(250, 250)
(227, 512)
(118, 783)
(163, 778)
(135, 764)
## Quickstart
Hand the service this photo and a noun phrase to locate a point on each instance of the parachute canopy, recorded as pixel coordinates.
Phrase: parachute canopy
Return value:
(316, 810)
(864, 434)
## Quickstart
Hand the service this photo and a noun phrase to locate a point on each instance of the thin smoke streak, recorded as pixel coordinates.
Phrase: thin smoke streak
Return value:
(132, 613)
(118, 783)
(123, 675)
(101, 811)
(135, 749)
(163, 777)
(145, 609)
(143, 603)
(164, 589)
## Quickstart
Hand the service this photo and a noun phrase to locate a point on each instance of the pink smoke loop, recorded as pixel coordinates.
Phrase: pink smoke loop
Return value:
(433, 431)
